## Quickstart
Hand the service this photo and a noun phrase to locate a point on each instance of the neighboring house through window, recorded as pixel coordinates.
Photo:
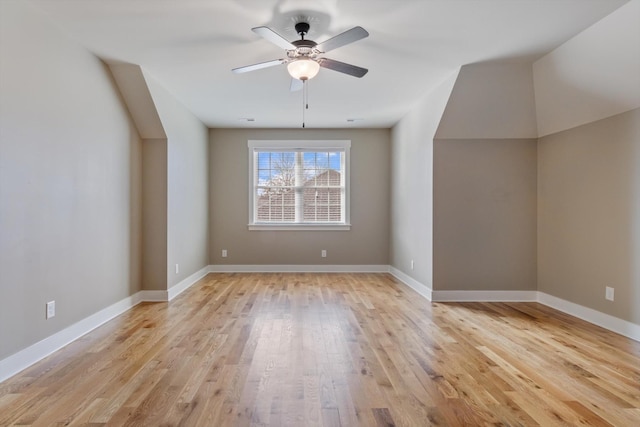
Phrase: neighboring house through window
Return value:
(299, 185)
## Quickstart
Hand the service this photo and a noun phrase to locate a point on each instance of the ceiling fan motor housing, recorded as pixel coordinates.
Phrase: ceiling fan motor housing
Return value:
(304, 48)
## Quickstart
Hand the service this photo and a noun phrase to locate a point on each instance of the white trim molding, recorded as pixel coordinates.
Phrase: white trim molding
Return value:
(420, 288)
(38, 351)
(294, 268)
(299, 227)
(612, 323)
(186, 283)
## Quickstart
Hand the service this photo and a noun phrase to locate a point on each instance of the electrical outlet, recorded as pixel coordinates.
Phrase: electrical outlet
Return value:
(609, 293)
(51, 309)
(412, 264)
(323, 254)
(224, 253)
(177, 268)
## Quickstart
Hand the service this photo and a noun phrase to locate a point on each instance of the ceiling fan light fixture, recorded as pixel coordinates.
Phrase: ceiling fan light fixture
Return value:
(303, 68)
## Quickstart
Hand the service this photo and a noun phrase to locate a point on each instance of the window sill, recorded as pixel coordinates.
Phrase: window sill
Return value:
(299, 227)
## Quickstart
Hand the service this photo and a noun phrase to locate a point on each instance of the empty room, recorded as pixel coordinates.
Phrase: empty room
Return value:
(319, 213)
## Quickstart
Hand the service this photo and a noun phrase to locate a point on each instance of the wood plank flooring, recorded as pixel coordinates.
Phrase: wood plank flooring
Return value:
(331, 350)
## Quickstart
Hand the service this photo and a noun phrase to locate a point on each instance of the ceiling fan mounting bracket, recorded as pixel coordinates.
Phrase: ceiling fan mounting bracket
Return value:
(302, 28)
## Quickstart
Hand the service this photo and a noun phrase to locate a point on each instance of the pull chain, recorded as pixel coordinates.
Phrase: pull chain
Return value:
(305, 100)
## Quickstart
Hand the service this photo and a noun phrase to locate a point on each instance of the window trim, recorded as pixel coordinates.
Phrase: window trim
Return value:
(300, 145)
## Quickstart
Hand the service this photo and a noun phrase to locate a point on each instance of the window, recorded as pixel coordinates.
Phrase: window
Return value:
(299, 185)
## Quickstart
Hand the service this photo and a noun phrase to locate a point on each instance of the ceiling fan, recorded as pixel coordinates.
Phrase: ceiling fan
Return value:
(303, 56)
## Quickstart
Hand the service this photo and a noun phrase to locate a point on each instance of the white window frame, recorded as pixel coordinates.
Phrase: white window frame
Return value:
(298, 145)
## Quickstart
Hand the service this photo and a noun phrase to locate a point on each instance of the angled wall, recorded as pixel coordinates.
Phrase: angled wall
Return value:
(588, 99)
(175, 171)
(412, 187)
(484, 182)
(135, 92)
(187, 189)
(493, 100)
(589, 215)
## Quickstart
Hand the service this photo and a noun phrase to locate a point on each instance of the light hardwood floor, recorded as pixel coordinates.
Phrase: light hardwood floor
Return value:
(333, 350)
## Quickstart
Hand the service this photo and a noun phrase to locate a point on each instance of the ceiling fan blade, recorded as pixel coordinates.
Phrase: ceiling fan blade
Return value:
(275, 38)
(342, 67)
(349, 36)
(258, 66)
(296, 85)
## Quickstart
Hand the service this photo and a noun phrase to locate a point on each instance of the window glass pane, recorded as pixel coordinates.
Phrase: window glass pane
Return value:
(322, 161)
(264, 160)
(309, 158)
(334, 160)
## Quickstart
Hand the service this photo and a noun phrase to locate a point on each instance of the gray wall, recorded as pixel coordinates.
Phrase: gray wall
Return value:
(187, 190)
(484, 184)
(154, 214)
(69, 182)
(589, 166)
(412, 185)
(78, 189)
(484, 220)
(367, 243)
(589, 215)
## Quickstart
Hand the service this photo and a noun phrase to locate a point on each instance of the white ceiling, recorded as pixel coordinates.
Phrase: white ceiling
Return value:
(190, 47)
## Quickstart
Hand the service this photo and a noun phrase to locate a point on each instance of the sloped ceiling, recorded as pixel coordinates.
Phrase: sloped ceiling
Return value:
(133, 86)
(190, 47)
(491, 100)
(594, 75)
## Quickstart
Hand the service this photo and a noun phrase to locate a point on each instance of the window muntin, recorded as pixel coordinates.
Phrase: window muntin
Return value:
(299, 184)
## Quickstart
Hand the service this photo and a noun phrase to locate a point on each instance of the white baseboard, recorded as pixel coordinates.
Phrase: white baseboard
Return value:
(186, 283)
(420, 288)
(485, 296)
(245, 268)
(614, 324)
(38, 351)
(611, 323)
